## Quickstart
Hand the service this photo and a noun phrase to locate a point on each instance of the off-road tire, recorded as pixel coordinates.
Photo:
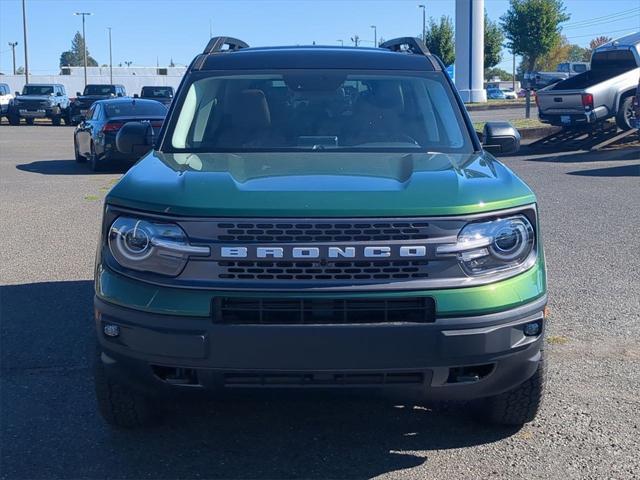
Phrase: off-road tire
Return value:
(13, 120)
(79, 158)
(625, 114)
(119, 405)
(30, 121)
(517, 406)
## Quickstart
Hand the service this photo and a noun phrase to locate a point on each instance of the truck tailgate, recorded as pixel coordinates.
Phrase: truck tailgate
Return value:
(558, 102)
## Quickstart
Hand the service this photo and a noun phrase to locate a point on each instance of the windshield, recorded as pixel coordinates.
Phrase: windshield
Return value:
(318, 110)
(157, 92)
(37, 90)
(99, 90)
(135, 109)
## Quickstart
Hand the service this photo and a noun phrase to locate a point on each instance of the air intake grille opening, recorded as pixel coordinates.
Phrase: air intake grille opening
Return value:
(319, 379)
(292, 311)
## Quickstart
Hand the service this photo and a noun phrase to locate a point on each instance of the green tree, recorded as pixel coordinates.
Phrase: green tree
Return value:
(593, 44)
(493, 38)
(75, 56)
(577, 53)
(532, 28)
(439, 39)
(503, 75)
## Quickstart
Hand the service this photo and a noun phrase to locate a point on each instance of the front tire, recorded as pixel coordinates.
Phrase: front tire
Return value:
(119, 405)
(624, 116)
(13, 120)
(56, 121)
(518, 405)
(30, 121)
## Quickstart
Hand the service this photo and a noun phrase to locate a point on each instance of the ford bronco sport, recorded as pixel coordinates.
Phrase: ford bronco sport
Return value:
(319, 217)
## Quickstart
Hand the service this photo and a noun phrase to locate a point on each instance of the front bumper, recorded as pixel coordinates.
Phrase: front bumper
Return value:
(453, 358)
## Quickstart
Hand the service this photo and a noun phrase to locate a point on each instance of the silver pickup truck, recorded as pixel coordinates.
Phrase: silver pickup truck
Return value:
(603, 92)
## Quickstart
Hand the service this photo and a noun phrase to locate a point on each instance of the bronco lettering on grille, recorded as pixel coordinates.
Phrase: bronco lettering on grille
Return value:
(294, 252)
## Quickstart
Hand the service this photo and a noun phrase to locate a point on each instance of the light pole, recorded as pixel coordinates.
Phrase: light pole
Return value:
(341, 42)
(26, 49)
(84, 41)
(110, 59)
(356, 40)
(13, 53)
(375, 36)
(424, 23)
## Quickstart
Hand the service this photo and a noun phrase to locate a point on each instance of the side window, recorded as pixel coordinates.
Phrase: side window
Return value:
(91, 112)
(3, 90)
(96, 112)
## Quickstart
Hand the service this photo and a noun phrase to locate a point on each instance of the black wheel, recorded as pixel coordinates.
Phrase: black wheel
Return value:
(624, 117)
(96, 166)
(517, 406)
(79, 158)
(30, 121)
(56, 121)
(119, 405)
(14, 120)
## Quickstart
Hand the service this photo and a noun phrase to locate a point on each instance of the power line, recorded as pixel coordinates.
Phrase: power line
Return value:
(595, 35)
(600, 22)
(603, 17)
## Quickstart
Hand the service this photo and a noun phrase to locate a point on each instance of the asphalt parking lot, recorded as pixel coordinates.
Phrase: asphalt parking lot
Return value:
(589, 426)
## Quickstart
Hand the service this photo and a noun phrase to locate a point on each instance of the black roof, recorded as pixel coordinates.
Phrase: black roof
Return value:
(312, 57)
(117, 100)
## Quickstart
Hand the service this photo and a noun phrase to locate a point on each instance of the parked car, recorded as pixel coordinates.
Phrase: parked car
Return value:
(510, 94)
(92, 93)
(279, 232)
(40, 100)
(495, 94)
(160, 94)
(601, 93)
(522, 93)
(94, 138)
(6, 98)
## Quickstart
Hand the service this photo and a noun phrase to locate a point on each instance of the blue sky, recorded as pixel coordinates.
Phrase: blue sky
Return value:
(146, 30)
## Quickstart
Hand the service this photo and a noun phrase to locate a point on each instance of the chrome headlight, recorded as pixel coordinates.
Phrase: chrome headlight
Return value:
(493, 246)
(147, 246)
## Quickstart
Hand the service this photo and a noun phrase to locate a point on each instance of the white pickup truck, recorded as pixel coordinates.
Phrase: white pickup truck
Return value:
(603, 92)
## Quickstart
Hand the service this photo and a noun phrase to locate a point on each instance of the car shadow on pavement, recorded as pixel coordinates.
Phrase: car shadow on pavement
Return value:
(620, 171)
(66, 167)
(628, 153)
(46, 332)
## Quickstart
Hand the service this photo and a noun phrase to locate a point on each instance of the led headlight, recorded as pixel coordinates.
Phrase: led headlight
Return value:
(492, 246)
(147, 246)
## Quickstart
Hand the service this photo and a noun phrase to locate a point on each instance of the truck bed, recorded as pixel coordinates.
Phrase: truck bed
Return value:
(588, 79)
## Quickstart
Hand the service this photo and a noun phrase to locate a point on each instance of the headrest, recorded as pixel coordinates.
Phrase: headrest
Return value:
(250, 110)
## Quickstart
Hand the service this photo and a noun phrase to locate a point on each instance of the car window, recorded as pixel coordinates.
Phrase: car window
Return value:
(579, 68)
(89, 115)
(321, 110)
(156, 92)
(133, 108)
(99, 90)
(37, 90)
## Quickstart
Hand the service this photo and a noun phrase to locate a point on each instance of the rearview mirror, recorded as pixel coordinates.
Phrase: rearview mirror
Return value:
(135, 138)
(500, 138)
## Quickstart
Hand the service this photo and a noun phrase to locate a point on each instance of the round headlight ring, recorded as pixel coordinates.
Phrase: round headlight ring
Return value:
(134, 243)
(511, 239)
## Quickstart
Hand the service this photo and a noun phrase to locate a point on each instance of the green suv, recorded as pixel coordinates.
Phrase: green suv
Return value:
(319, 217)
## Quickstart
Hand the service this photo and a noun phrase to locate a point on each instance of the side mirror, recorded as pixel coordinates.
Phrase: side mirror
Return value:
(135, 138)
(500, 138)
(119, 94)
(78, 94)
(17, 93)
(135, 95)
(59, 94)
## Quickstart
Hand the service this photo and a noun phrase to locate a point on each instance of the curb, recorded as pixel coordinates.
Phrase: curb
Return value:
(500, 106)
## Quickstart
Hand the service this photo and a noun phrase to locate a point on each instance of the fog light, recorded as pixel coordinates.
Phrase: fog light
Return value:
(111, 330)
(532, 329)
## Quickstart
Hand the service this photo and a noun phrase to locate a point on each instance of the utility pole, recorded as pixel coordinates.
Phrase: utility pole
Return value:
(424, 23)
(375, 36)
(26, 49)
(513, 72)
(110, 59)
(13, 53)
(84, 41)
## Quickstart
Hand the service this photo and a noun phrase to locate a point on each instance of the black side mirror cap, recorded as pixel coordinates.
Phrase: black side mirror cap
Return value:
(500, 138)
(135, 138)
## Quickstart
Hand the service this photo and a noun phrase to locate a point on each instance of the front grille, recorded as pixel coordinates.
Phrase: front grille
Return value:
(32, 104)
(321, 379)
(307, 311)
(342, 270)
(310, 232)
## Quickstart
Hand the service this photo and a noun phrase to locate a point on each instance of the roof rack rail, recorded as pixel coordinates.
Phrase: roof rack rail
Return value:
(406, 44)
(216, 43)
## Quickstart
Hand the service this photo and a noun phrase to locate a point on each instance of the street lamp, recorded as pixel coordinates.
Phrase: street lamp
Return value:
(110, 59)
(341, 42)
(13, 52)
(424, 23)
(84, 41)
(375, 35)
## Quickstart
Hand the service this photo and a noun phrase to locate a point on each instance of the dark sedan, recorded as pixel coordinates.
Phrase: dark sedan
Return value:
(94, 139)
(161, 94)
